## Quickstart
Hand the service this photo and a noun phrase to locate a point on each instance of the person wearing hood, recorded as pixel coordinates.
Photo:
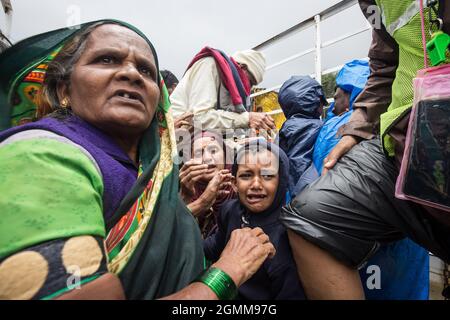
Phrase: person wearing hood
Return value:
(302, 99)
(350, 81)
(261, 172)
(404, 264)
(216, 89)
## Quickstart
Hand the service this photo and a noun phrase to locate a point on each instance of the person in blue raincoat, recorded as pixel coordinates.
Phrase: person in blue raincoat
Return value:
(350, 81)
(302, 99)
(399, 270)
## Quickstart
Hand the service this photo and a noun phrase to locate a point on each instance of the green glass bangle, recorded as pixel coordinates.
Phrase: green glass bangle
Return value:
(219, 282)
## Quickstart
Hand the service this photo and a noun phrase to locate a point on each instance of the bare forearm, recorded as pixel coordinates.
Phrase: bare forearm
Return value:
(187, 198)
(200, 291)
(195, 291)
(106, 287)
(196, 208)
(199, 206)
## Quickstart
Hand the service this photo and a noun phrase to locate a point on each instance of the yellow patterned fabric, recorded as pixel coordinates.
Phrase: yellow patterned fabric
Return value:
(268, 102)
(25, 97)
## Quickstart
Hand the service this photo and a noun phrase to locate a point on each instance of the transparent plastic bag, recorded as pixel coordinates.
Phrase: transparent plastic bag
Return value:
(425, 169)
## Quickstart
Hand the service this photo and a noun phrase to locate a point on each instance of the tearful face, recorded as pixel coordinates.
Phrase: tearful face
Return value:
(257, 180)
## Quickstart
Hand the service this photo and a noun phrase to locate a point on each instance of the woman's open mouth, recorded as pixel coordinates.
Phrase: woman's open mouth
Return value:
(126, 96)
(255, 198)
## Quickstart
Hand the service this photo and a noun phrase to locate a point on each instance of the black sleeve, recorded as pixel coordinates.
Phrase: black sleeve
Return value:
(215, 243)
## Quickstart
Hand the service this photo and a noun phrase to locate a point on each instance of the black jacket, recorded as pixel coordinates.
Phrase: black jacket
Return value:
(277, 278)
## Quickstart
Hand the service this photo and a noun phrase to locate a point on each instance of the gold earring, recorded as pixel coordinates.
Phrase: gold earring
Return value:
(65, 102)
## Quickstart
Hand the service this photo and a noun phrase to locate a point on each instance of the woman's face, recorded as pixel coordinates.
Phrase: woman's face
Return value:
(210, 152)
(114, 83)
(257, 180)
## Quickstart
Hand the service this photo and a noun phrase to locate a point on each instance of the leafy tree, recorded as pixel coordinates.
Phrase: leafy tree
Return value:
(329, 84)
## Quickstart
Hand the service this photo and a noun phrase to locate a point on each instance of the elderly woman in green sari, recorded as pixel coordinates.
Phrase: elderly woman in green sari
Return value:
(89, 193)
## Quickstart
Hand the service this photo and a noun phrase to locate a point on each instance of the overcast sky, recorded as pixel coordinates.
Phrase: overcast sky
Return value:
(179, 29)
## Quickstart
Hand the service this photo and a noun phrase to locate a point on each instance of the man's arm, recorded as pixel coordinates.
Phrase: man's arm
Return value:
(197, 93)
(243, 255)
(377, 94)
(221, 119)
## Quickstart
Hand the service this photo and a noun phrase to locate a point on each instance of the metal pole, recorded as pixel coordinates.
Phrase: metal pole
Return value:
(7, 8)
(329, 12)
(6, 4)
(318, 57)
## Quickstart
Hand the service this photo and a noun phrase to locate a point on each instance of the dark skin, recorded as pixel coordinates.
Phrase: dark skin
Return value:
(348, 141)
(340, 281)
(206, 165)
(341, 102)
(106, 287)
(341, 105)
(115, 61)
(114, 87)
(258, 120)
(250, 76)
(257, 180)
(186, 121)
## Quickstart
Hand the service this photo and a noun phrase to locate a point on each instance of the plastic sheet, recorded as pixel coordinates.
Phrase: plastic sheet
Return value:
(425, 169)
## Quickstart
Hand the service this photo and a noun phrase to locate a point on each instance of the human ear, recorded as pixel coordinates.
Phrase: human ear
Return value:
(63, 94)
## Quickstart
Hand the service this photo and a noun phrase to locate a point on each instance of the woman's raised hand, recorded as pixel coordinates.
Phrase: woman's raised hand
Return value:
(184, 121)
(219, 185)
(190, 173)
(220, 182)
(244, 254)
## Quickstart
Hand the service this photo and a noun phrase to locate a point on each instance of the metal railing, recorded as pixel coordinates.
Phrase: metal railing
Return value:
(314, 21)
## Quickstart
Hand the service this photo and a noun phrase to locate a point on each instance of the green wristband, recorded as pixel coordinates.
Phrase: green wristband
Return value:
(219, 282)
